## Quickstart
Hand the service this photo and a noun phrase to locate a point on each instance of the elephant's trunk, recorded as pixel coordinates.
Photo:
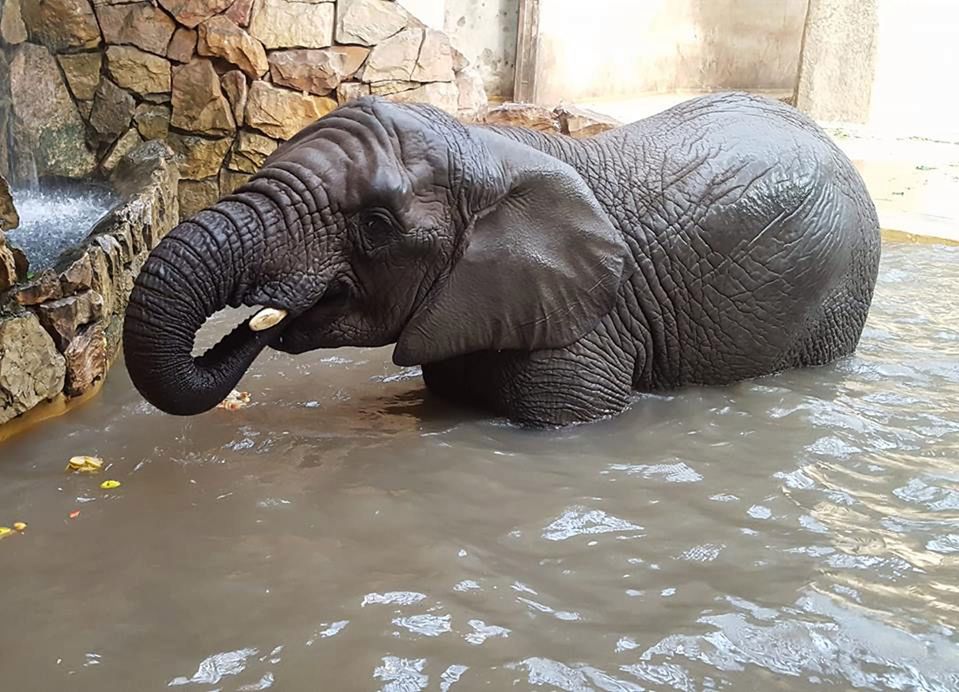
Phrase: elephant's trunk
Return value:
(202, 266)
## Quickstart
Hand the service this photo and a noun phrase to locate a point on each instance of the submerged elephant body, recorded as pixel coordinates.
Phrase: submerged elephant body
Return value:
(540, 277)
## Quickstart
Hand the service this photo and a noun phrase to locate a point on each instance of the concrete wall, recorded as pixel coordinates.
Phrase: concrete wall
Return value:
(625, 48)
(889, 64)
(483, 30)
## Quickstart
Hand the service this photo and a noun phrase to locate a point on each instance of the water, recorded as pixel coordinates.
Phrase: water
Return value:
(347, 532)
(54, 217)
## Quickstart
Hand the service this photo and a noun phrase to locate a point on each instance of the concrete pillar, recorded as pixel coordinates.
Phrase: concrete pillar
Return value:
(838, 63)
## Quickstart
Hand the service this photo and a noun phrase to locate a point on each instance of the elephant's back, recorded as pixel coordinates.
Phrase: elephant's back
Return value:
(757, 228)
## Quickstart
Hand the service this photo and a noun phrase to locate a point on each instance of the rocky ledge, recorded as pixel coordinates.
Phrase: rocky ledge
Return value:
(60, 330)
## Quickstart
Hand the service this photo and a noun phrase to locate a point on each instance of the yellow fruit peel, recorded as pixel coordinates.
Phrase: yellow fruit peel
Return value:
(5, 531)
(110, 485)
(234, 401)
(19, 526)
(85, 464)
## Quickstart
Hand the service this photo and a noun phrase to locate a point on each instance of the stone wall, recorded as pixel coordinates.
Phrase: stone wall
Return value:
(61, 329)
(221, 81)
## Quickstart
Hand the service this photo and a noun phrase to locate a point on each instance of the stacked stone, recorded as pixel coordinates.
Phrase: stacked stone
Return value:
(222, 81)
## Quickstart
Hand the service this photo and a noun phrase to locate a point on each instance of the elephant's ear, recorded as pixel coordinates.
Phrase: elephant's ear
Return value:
(543, 266)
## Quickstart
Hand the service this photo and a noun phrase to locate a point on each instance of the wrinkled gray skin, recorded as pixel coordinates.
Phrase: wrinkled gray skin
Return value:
(539, 277)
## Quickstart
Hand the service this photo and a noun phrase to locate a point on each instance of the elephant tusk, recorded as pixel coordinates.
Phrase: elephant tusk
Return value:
(266, 318)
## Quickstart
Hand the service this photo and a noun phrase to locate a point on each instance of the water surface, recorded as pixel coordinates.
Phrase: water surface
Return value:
(348, 532)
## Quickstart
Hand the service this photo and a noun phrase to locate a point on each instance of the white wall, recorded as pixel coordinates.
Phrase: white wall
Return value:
(625, 48)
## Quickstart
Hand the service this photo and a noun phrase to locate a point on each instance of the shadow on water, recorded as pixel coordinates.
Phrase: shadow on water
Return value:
(800, 531)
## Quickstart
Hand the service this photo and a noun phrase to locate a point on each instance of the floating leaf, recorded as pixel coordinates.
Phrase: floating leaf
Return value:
(110, 485)
(85, 464)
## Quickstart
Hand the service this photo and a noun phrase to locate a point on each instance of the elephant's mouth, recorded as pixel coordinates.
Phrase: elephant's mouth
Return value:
(305, 331)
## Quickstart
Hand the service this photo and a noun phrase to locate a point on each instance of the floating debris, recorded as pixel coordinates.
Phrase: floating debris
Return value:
(85, 464)
(20, 526)
(234, 401)
(110, 485)
(74, 514)
(5, 531)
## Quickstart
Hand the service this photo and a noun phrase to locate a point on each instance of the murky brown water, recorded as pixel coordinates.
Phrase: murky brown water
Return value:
(346, 532)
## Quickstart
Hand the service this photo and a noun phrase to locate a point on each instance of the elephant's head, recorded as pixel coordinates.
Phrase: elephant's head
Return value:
(379, 223)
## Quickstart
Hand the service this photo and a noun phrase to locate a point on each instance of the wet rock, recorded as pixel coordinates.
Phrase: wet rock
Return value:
(45, 120)
(9, 218)
(250, 151)
(197, 195)
(368, 22)
(524, 115)
(61, 24)
(349, 91)
(86, 360)
(198, 102)
(394, 58)
(31, 370)
(198, 157)
(440, 94)
(192, 12)
(82, 71)
(45, 286)
(282, 113)
(316, 71)
(152, 120)
(12, 28)
(127, 143)
(62, 318)
(231, 180)
(240, 12)
(435, 61)
(8, 267)
(293, 23)
(112, 110)
(182, 45)
(472, 103)
(220, 37)
(138, 23)
(77, 274)
(141, 72)
(581, 122)
(236, 91)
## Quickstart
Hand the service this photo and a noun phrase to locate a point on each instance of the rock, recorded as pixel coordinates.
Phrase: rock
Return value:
(9, 218)
(12, 28)
(239, 12)
(282, 113)
(86, 360)
(198, 157)
(221, 37)
(138, 23)
(435, 61)
(350, 91)
(394, 87)
(231, 180)
(21, 262)
(198, 102)
(440, 94)
(293, 23)
(197, 195)
(236, 91)
(62, 318)
(152, 120)
(182, 45)
(368, 22)
(76, 275)
(61, 24)
(82, 71)
(112, 110)
(471, 95)
(316, 71)
(31, 370)
(581, 122)
(8, 268)
(394, 58)
(46, 122)
(524, 115)
(141, 72)
(127, 143)
(460, 62)
(45, 286)
(250, 151)
(192, 12)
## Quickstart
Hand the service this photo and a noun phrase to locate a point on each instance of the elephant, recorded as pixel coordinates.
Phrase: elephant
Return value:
(535, 277)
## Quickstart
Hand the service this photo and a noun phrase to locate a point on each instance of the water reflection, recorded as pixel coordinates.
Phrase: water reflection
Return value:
(801, 531)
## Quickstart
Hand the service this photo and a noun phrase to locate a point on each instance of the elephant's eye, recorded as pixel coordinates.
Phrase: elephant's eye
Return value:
(377, 222)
